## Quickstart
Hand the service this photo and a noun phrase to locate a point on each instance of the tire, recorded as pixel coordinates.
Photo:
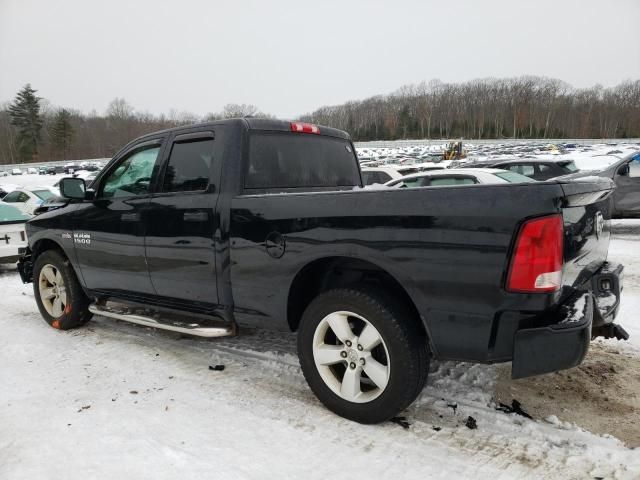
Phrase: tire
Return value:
(358, 382)
(54, 279)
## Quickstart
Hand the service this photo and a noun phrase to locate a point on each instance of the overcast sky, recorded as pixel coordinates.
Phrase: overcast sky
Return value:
(289, 58)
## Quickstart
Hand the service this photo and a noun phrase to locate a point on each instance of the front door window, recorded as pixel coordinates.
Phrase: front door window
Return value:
(132, 176)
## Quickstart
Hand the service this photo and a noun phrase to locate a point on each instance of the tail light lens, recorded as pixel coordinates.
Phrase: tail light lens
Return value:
(301, 127)
(536, 265)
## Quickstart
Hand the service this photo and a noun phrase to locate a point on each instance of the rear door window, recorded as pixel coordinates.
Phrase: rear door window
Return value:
(411, 182)
(526, 170)
(189, 166)
(513, 177)
(16, 197)
(294, 161)
(444, 181)
(569, 166)
(368, 178)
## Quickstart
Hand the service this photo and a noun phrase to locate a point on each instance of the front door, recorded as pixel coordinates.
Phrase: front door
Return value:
(109, 231)
(627, 193)
(182, 221)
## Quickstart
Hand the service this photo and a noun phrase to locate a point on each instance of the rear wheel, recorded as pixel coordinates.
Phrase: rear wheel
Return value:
(362, 354)
(60, 298)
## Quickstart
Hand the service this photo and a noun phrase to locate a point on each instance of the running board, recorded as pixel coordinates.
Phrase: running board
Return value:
(202, 328)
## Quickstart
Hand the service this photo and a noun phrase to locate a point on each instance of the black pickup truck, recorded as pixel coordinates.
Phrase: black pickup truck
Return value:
(265, 223)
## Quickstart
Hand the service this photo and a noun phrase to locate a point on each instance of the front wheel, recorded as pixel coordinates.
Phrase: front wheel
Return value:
(60, 298)
(362, 353)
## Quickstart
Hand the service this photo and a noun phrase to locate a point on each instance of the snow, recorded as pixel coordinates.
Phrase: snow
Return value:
(68, 411)
(586, 157)
(68, 408)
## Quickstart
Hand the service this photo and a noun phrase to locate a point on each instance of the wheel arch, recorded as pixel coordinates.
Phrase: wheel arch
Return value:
(44, 244)
(325, 273)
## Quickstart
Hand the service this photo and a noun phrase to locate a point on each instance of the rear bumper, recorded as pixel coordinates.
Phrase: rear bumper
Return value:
(564, 341)
(557, 346)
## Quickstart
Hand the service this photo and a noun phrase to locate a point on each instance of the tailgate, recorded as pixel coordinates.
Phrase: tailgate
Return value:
(586, 211)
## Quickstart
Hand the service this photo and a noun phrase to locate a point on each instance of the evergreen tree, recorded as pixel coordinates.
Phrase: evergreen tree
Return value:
(62, 132)
(25, 115)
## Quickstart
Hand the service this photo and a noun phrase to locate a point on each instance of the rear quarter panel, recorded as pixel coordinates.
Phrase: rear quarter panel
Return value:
(448, 247)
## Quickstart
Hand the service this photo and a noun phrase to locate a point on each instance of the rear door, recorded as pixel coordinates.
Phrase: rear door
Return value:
(182, 219)
(627, 193)
(109, 231)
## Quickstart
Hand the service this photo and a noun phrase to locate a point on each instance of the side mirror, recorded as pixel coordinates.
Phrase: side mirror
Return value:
(624, 170)
(73, 188)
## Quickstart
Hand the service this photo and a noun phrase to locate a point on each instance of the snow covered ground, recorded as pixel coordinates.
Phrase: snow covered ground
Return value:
(586, 156)
(114, 400)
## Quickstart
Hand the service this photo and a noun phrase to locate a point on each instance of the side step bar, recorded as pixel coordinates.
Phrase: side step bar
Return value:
(203, 328)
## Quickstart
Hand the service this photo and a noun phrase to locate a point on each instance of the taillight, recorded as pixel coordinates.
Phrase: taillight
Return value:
(536, 264)
(301, 127)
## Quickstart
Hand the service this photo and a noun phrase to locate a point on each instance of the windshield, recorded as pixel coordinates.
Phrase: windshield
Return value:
(292, 160)
(11, 214)
(513, 177)
(43, 194)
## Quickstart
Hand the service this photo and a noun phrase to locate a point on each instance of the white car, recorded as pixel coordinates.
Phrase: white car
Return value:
(28, 200)
(16, 171)
(12, 234)
(4, 173)
(384, 174)
(459, 176)
(32, 170)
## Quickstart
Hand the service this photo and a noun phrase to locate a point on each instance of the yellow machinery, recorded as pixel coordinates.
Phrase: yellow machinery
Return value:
(454, 151)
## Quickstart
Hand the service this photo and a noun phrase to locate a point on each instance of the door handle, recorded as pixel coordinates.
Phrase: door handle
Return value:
(130, 217)
(195, 216)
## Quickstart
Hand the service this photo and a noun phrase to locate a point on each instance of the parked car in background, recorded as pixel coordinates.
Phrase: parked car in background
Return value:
(32, 170)
(70, 168)
(625, 172)
(384, 174)
(535, 168)
(55, 169)
(12, 234)
(459, 176)
(42, 170)
(4, 173)
(28, 200)
(16, 171)
(539, 169)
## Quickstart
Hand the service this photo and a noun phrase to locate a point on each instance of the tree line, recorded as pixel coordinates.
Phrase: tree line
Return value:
(522, 107)
(31, 129)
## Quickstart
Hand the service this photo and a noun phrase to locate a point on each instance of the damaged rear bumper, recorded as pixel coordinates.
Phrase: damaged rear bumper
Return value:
(564, 342)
